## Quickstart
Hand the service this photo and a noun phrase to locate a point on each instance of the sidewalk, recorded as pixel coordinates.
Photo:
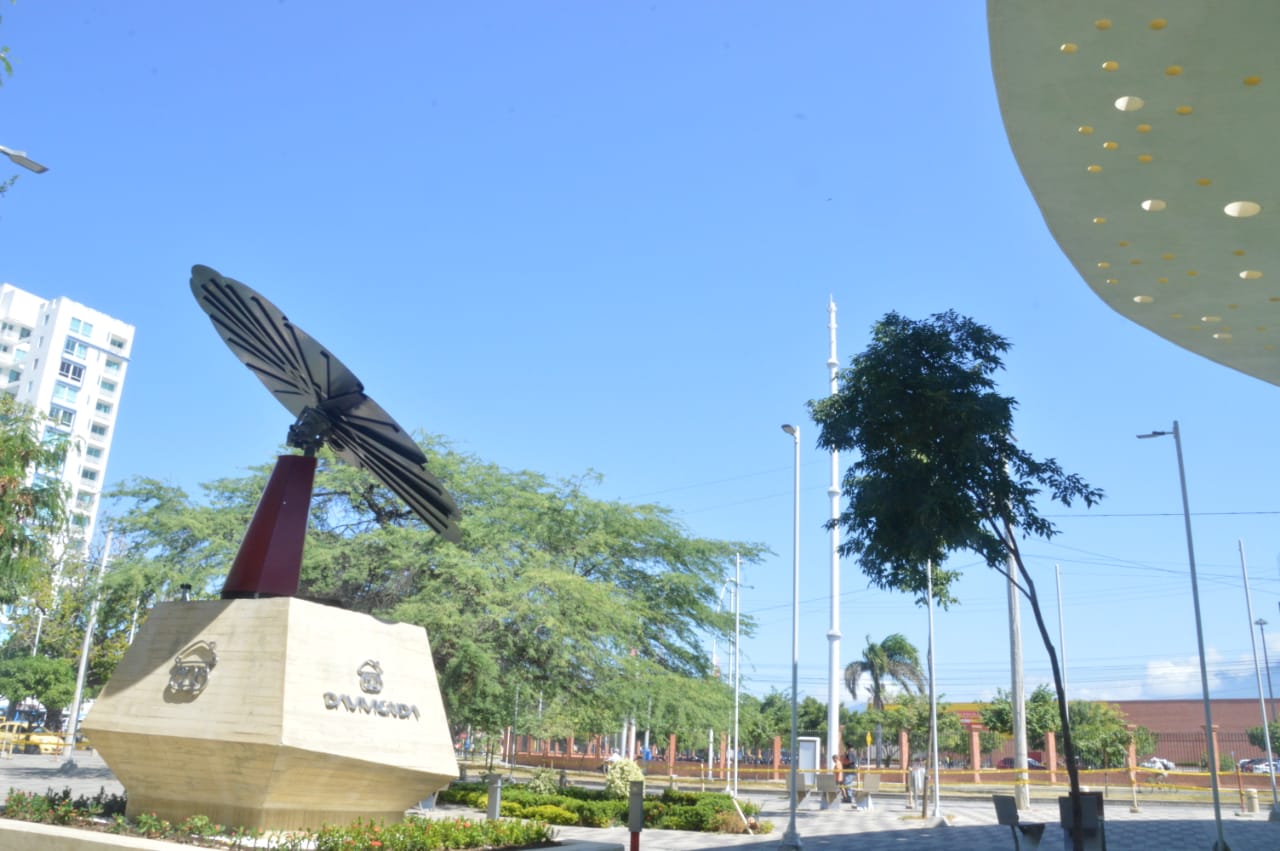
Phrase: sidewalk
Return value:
(968, 824)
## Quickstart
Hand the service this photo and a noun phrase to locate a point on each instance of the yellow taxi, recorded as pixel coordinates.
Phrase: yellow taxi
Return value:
(10, 733)
(40, 740)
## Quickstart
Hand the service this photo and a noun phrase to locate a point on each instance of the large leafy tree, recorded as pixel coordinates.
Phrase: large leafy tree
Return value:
(32, 496)
(938, 470)
(49, 681)
(1041, 714)
(910, 712)
(601, 608)
(893, 660)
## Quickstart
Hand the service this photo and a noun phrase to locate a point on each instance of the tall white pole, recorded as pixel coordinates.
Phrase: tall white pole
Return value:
(834, 744)
(1204, 668)
(933, 700)
(737, 660)
(1017, 691)
(1262, 703)
(791, 839)
(1062, 644)
(73, 726)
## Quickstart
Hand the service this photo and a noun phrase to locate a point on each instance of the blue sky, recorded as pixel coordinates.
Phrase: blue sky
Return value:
(572, 236)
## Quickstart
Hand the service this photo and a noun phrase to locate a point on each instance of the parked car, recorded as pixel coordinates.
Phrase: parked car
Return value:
(1157, 764)
(1032, 764)
(10, 733)
(1261, 767)
(39, 740)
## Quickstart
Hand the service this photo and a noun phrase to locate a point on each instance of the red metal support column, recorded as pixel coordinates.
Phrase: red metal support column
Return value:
(270, 556)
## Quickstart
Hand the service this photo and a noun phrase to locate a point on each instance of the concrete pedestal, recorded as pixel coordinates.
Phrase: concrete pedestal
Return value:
(274, 714)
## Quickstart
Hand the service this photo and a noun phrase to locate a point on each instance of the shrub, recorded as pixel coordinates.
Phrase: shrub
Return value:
(551, 814)
(621, 774)
(543, 782)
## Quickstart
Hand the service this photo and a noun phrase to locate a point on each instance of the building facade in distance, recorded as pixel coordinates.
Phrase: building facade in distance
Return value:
(69, 361)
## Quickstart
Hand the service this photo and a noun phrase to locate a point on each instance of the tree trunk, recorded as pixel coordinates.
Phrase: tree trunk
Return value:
(1068, 745)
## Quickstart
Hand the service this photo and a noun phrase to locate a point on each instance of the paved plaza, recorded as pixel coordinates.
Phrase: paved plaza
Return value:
(968, 824)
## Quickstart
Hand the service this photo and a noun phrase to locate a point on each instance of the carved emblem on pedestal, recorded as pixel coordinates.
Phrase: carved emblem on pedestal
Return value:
(190, 672)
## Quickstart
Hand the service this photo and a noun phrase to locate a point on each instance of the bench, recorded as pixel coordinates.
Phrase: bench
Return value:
(870, 785)
(802, 788)
(828, 789)
(1007, 814)
(1092, 824)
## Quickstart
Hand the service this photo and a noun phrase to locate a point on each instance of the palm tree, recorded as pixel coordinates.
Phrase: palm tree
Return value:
(894, 659)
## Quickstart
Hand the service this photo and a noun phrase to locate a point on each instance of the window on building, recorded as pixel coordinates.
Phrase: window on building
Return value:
(80, 520)
(103, 407)
(80, 327)
(88, 474)
(15, 375)
(5, 348)
(98, 430)
(24, 333)
(74, 371)
(21, 354)
(84, 499)
(76, 348)
(62, 416)
(108, 387)
(7, 327)
(112, 365)
(118, 342)
(65, 392)
(93, 452)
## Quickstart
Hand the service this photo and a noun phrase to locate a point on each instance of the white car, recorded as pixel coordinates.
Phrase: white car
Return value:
(1157, 764)
(1263, 768)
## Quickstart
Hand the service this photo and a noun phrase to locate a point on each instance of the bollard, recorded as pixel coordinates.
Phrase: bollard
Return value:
(564, 779)
(1250, 800)
(462, 773)
(495, 797)
(635, 813)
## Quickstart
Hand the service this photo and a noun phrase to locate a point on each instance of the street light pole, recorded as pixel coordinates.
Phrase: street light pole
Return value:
(1266, 726)
(1267, 662)
(737, 661)
(1221, 844)
(791, 839)
(73, 726)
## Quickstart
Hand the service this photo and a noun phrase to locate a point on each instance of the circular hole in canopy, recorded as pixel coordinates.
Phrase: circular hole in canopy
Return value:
(1242, 209)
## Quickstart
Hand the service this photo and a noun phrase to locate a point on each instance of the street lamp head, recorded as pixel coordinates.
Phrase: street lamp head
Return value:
(1154, 434)
(20, 158)
(791, 430)
(1260, 622)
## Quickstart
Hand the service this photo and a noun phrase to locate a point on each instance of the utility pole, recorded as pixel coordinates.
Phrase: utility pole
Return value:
(834, 745)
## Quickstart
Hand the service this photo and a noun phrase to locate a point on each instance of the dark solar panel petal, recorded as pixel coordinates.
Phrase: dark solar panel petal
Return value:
(303, 374)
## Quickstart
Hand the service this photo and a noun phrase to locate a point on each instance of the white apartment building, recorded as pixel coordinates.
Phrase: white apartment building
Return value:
(69, 361)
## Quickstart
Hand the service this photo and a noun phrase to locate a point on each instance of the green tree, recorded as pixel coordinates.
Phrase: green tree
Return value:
(50, 681)
(1102, 736)
(32, 495)
(602, 607)
(1041, 709)
(1258, 738)
(910, 712)
(893, 660)
(938, 470)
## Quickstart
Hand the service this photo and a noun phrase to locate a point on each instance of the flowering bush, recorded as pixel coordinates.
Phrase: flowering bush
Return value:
(413, 834)
(618, 780)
